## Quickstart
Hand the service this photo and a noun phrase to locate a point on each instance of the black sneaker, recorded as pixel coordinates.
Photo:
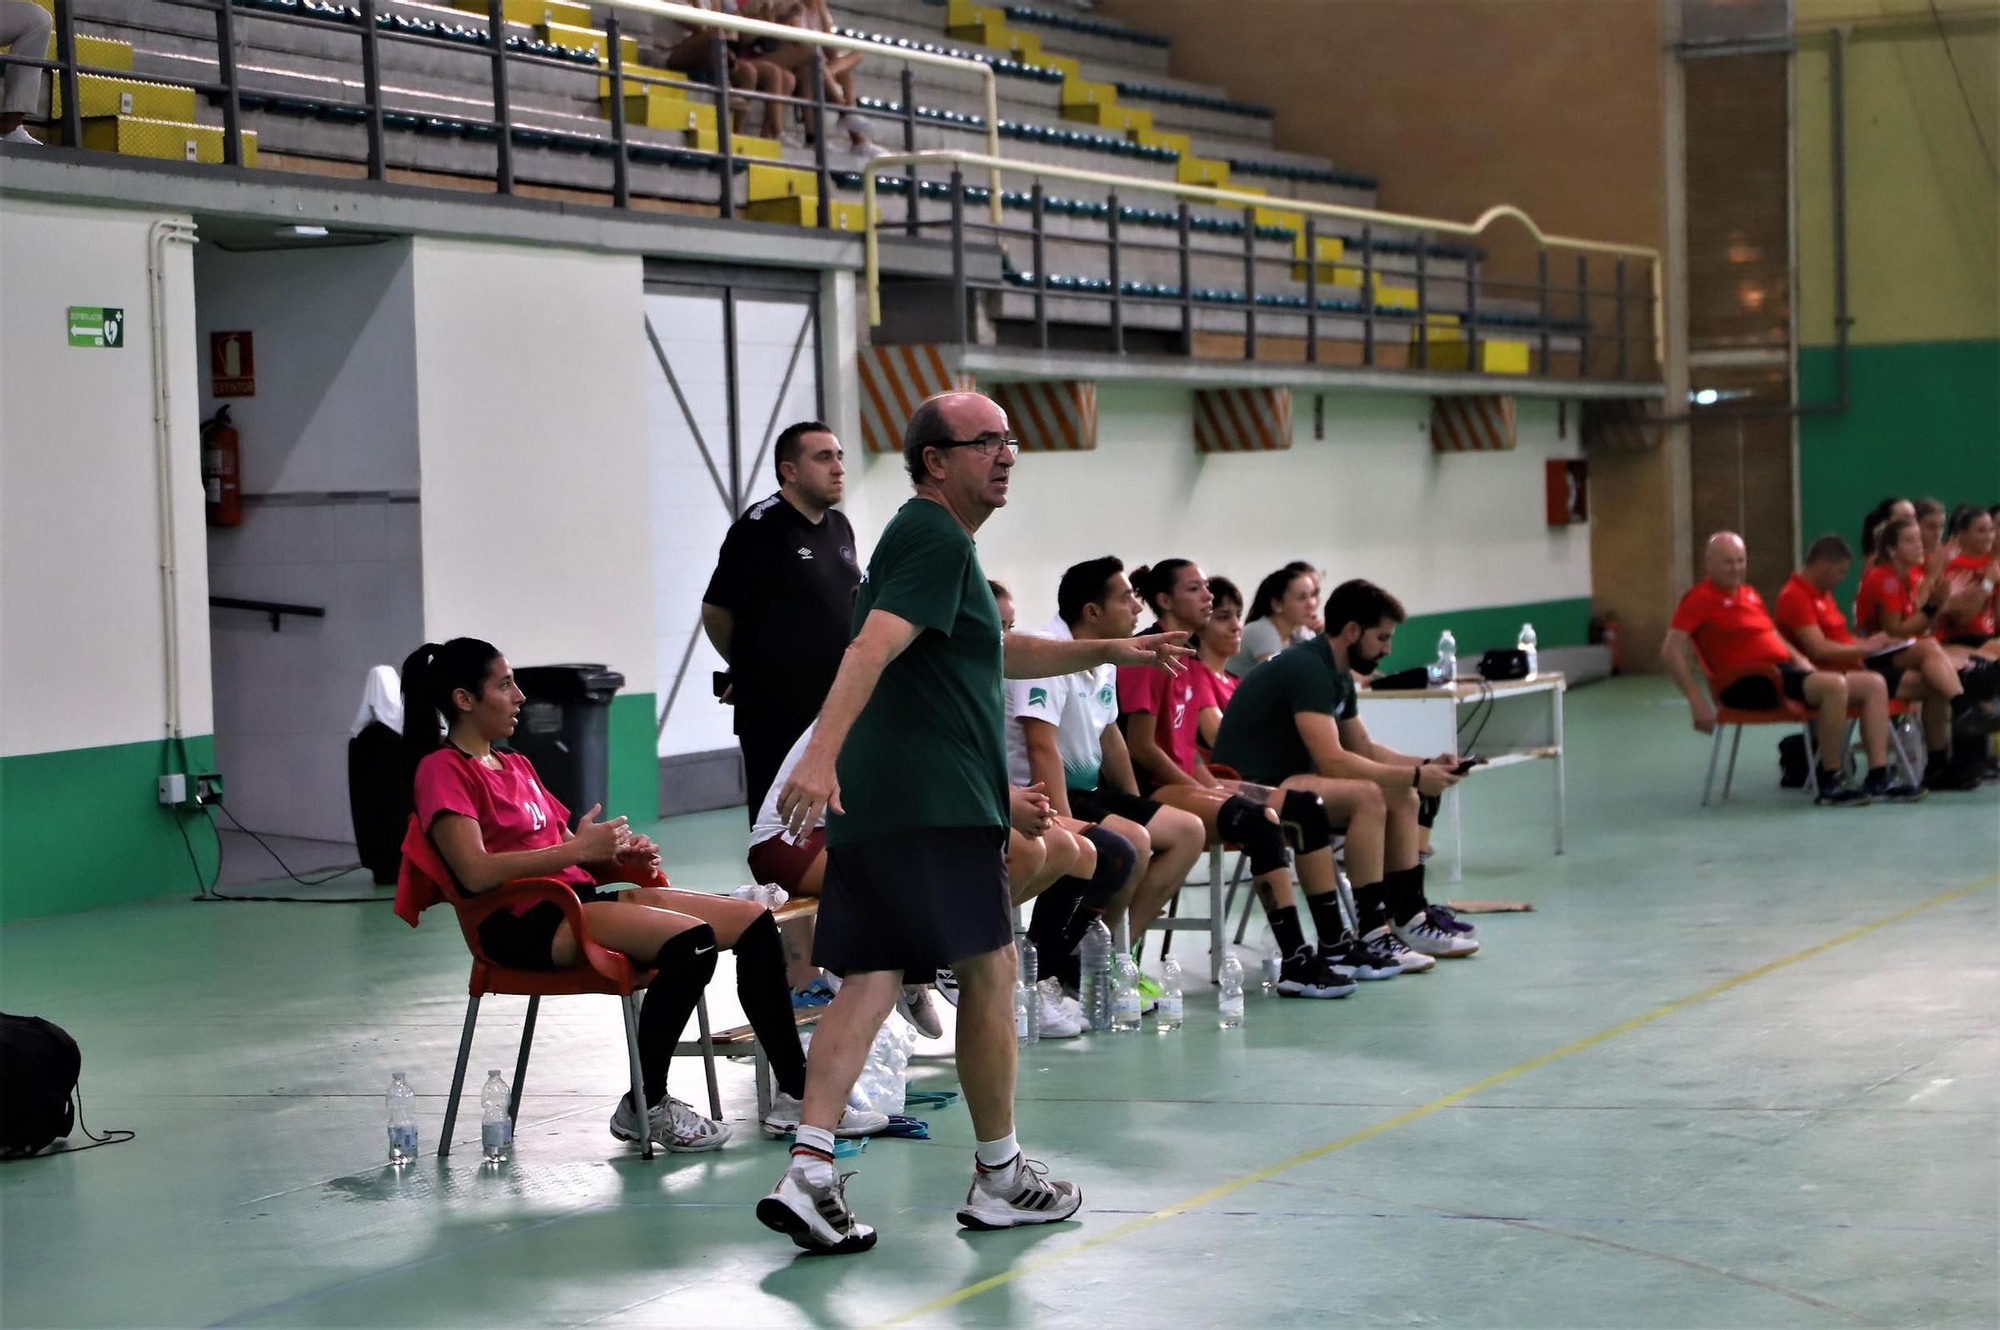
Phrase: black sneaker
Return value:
(1374, 956)
(1839, 794)
(1310, 973)
(1890, 790)
(1950, 778)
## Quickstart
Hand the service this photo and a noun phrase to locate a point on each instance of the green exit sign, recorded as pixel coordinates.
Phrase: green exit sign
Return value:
(93, 325)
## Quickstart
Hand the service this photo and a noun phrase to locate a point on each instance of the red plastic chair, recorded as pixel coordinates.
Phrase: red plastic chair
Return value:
(600, 970)
(1787, 712)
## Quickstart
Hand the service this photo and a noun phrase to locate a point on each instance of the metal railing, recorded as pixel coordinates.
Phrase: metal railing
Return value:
(368, 22)
(1545, 293)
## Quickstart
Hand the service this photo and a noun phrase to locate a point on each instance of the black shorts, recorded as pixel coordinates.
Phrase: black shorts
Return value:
(523, 941)
(1892, 674)
(914, 901)
(1100, 803)
(1754, 692)
(1971, 641)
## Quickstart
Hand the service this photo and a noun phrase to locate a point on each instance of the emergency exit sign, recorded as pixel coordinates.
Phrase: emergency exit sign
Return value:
(95, 325)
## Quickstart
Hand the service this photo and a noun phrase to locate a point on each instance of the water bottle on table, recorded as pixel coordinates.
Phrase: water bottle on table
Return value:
(496, 1125)
(1445, 670)
(1229, 1000)
(1526, 644)
(1173, 1006)
(402, 1104)
(1097, 976)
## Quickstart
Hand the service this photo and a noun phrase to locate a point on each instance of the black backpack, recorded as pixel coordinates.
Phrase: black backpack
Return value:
(39, 1065)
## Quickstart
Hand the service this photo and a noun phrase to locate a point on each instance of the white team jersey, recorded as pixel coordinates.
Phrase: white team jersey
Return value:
(768, 823)
(1079, 705)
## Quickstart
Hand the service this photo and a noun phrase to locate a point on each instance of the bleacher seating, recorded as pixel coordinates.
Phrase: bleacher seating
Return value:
(1074, 91)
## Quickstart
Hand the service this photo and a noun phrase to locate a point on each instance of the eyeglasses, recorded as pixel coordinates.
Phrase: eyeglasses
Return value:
(986, 445)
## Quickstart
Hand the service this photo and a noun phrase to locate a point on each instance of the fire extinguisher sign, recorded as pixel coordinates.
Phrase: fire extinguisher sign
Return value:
(232, 366)
(95, 325)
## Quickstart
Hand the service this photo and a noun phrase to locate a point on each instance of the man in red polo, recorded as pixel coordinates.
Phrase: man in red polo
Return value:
(1914, 671)
(1722, 624)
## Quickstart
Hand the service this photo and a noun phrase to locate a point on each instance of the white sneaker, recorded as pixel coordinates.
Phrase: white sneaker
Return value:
(20, 134)
(783, 1119)
(1413, 962)
(810, 1204)
(674, 1125)
(1420, 934)
(1056, 1023)
(917, 1008)
(1017, 1193)
(947, 986)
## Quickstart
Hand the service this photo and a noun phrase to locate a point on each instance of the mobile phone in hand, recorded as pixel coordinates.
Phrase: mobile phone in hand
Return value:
(721, 682)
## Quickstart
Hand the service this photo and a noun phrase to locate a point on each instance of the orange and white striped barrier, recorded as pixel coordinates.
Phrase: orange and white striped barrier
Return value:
(895, 380)
(1483, 423)
(1622, 424)
(1054, 417)
(1242, 420)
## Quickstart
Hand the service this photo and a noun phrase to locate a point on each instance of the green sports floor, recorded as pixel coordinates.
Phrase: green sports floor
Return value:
(1739, 1068)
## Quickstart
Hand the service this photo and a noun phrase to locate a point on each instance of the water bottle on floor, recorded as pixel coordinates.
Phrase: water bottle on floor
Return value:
(1172, 1004)
(1446, 668)
(1126, 1008)
(1030, 978)
(1229, 999)
(1097, 976)
(402, 1104)
(496, 1127)
(1526, 643)
(1273, 966)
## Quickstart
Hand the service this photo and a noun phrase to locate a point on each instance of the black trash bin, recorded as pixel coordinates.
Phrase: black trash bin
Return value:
(565, 730)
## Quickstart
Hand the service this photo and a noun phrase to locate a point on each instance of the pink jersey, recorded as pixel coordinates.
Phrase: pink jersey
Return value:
(1171, 699)
(513, 810)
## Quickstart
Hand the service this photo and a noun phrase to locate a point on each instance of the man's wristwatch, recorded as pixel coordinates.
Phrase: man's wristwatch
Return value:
(1417, 777)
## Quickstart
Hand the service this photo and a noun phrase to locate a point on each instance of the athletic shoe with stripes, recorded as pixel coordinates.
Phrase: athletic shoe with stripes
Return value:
(947, 986)
(855, 1119)
(1412, 962)
(1442, 916)
(1315, 973)
(676, 1126)
(1018, 1192)
(1374, 956)
(1420, 934)
(813, 1212)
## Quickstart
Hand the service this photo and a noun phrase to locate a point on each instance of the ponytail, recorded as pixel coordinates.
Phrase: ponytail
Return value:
(1155, 580)
(431, 674)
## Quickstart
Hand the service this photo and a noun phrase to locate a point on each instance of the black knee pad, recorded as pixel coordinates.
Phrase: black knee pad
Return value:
(1241, 821)
(1427, 809)
(1115, 861)
(1305, 819)
(688, 959)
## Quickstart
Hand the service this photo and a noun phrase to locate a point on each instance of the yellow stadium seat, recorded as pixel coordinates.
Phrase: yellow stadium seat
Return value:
(172, 141)
(97, 95)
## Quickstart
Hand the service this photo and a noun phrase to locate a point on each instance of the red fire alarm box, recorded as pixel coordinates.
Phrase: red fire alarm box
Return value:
(1568, 482)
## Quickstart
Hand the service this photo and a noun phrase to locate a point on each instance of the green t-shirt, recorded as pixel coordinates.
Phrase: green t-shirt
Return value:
(929, 749)
(1259, 736)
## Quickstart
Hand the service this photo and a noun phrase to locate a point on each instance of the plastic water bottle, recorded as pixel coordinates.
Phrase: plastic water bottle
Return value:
(1526, 643)
(1229, 1000)
(1097, 976)
(1029, 1004)
(402, 1104)
(1447, 661)
(1273, 970)
(1173, 1007)
(496, 1126)
(1125, 1005)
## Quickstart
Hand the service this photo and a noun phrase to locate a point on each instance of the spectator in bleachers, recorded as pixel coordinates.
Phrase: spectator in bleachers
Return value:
(493, 821)
(1071, 743)
(1723, 623)
(1812, 621)
(780, 604)
(694, 55)
(836, 67)
(1295, 722)
(1284, 611)
(1220, 638)
(24, 30)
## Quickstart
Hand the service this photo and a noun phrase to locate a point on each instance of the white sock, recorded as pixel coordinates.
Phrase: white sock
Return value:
(815, 1138)
(994, 1154)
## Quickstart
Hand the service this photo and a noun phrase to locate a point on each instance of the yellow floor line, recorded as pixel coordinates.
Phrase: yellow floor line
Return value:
(1237, 1184)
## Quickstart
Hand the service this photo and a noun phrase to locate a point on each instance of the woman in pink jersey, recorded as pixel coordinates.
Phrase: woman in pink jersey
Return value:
(493, 821)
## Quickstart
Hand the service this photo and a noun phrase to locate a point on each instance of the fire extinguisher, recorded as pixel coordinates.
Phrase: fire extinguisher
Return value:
(1609, 633)
(221, 470)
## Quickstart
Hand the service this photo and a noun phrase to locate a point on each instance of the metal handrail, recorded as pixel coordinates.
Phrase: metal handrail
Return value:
(1236, 199)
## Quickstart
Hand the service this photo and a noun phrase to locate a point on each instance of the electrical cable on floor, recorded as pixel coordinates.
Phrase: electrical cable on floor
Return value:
(111, 1136)
(209, 893)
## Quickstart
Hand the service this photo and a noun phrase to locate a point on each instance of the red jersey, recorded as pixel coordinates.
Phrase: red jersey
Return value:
(1803, 605)
(1731, 629)
(1963, 571)
(513, 810)
(1213, 688)
(1883, 588)
(1171, 700)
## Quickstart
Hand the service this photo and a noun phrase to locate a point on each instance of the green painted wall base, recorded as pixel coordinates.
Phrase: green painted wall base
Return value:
(634, 787)
(1558, 623)
(1923, 418)
(83, 828)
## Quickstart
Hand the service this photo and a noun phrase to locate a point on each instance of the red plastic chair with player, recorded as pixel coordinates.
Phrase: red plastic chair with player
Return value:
(598, 971)
(1787, 712)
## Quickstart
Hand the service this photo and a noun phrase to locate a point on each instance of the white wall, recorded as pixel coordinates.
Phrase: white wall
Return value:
(1370, 500)
(531, 410)
(81, 627)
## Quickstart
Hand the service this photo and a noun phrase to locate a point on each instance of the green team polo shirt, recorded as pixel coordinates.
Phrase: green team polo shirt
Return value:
(1259, 736)
(929, 749)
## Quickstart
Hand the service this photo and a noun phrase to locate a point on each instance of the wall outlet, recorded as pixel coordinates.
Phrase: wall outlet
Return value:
(191, 792)
(207, 789)
(173, 790)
